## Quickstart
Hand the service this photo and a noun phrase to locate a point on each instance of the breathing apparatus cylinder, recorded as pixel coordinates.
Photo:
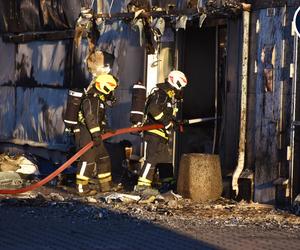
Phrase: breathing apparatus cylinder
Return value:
(138, 104)
(72, 109)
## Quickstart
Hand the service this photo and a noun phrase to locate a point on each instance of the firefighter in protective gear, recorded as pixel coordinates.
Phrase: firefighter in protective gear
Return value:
(160, 108)
(94, 169)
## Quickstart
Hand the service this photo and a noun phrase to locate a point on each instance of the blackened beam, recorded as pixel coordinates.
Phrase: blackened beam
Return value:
(38, 35)
(69, 34)
(170, 13)
(131, 15)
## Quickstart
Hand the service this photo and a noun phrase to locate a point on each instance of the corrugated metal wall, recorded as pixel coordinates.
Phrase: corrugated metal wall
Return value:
(35, 81)
(32, 93)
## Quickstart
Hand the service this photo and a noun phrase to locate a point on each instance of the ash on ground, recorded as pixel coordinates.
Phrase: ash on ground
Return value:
(168, 210)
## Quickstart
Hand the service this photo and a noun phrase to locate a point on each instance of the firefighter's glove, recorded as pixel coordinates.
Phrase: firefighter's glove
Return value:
(97, 140)
(177, 126)
(111, 99)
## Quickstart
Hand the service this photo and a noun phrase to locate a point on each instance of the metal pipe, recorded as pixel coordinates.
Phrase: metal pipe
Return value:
(243, 113)
(198, 120)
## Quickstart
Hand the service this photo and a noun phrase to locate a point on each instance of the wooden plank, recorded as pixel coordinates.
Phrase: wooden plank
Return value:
(284, 96)
(269, 53)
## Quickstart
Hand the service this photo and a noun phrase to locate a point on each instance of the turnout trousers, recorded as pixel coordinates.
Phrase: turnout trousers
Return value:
(156, 152)
(94, 166)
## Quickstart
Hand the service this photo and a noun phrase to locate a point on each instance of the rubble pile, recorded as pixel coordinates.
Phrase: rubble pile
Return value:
(168, 210)
(186, 214)
(18, 163)
(16, 170)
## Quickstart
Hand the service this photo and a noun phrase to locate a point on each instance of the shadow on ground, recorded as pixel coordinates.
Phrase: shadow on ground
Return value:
(28, 224)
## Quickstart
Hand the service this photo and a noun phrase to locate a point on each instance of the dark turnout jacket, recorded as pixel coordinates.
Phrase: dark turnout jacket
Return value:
(93, 112)
(159, 109)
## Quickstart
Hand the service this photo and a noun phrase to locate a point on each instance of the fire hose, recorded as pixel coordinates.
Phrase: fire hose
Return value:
(87, 147)
(76, 156)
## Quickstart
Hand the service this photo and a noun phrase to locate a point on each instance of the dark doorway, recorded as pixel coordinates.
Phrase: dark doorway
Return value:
(203, 61)
(199, 95)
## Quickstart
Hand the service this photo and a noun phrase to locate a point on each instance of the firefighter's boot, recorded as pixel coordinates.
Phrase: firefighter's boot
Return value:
(105, 182)
(84, 188)
(167, 184)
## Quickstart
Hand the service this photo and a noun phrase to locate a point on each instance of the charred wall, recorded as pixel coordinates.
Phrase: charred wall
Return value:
(269, 99)
(38, 15)
(39, 70)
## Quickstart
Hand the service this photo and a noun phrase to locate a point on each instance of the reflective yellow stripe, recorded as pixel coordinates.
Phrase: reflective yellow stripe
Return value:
(102, 97)
(76, 130)
(175, 110)
(158, 117)
(100, 176)
(158, 132)
(96, 129)
(82, 182)
(106, 179)
(80, 117)
(140, 183)
(144, 181)
(82, 177)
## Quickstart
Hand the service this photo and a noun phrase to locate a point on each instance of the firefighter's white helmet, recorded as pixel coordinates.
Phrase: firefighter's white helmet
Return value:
(177, 79)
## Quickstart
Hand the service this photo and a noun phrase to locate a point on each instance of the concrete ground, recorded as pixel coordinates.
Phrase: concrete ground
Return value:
(54, 221)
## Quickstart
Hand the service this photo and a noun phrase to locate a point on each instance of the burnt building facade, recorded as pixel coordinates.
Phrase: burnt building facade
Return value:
(241, 59)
